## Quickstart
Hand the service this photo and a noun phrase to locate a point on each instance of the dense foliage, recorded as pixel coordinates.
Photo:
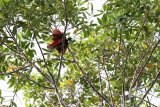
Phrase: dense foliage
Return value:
(113, 58)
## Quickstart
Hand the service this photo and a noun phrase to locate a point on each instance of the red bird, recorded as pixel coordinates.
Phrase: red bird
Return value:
(57, 37)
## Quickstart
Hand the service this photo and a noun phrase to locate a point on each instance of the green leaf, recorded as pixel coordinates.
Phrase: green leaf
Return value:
(99, 21)
(91, 8)
(13, 104)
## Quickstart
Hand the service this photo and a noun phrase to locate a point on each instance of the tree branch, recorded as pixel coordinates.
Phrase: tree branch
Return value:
(140, 72)
(38, 69)
(53, 81)
(88, 81)
(153, 82)
(126, 61)
(63, 39)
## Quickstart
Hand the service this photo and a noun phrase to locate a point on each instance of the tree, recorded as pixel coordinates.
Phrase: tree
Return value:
(113, 58)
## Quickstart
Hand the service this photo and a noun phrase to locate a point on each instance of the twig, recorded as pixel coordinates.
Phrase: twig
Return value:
(103, 65)
(101, 90)
(63, 39)
(140, 72)
(8, 47)
(153, 82)
(88, 81)
(126, 61)
(38, 69)
(151, 94)
(118, 54)
(49, 99)
(34, 81)
(53, 59)
(44, 60)
(54, 82)
(21, 68)
(14, 95)
(149, 103)
(134, 76)
(15, 92)
(135, 73)
(145, 101)
(14, 71)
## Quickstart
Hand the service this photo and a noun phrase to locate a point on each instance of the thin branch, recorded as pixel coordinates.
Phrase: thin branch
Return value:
(104, 68)
(54, 82)
(110, 90)
(153, 82)
(44, 60)
(134, 103)
(15, 71)
(151, 94)
(15, 91)
(1, 53)
(140, 72)
(38, 69)
(149, 103)
(139, 65)
(14, 95)
(134, 76)
(22, 68)
(8, 47)
(34, 81)
(63, 38)
(49, 99)
(145, 101)
(126, 61)
(101, 90)
(119, 50)
(53, 59)
(88, 81)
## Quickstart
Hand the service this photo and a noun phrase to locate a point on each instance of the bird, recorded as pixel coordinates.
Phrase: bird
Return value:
(60, 43)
